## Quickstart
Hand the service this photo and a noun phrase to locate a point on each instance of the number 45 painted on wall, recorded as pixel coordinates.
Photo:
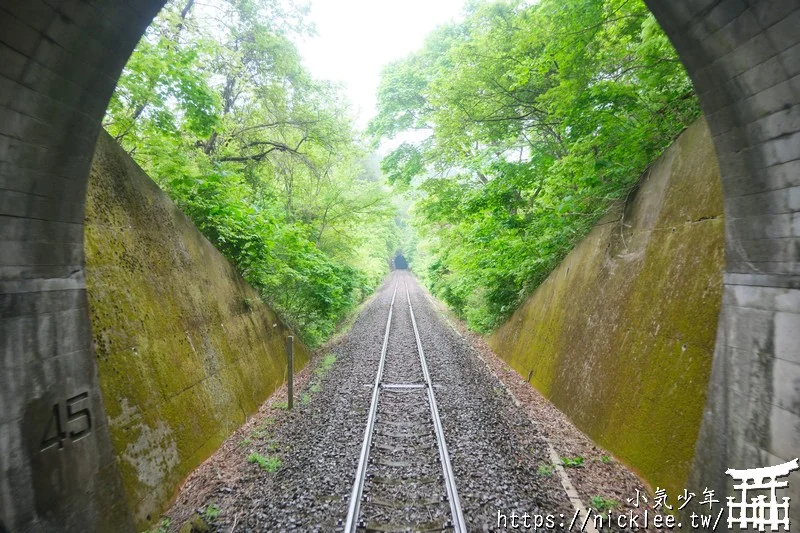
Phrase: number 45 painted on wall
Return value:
(78, 420)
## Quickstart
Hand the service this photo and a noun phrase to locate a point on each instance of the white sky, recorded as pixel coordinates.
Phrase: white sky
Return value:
(356, 38)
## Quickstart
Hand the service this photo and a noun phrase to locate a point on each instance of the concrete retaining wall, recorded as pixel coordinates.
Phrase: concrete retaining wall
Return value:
(185, 349)
(621, 335)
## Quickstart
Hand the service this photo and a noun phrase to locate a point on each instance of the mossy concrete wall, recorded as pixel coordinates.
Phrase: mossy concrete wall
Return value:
(185, 348)
(621, 335)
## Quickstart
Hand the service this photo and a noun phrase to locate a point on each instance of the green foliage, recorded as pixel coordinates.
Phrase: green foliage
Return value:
(606, 460)
(533, 119)
(162, 527)
(545, 470)
(262, 430)
(325, 365)
(216, 106)
(211, 513)
(268, 464)
(602, 504)
(572, 462)
(315, 386)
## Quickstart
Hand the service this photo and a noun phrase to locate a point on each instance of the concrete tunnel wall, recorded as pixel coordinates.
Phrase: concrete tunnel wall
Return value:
(185, 348)
(630, 374)
(59, 63)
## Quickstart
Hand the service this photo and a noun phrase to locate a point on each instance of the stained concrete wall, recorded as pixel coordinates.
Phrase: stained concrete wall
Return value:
(744, 61)
(185, 348)
(621, 335)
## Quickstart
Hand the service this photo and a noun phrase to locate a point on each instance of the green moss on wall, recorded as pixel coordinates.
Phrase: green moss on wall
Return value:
(621, 335)
(185, 348)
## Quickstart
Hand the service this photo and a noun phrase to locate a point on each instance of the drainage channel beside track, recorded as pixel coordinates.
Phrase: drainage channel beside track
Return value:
(404, 480)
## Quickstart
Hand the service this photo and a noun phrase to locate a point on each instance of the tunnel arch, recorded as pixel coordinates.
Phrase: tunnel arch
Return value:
(399, 262)
(59, 64)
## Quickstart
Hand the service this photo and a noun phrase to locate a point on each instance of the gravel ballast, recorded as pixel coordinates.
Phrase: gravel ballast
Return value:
(312, 452)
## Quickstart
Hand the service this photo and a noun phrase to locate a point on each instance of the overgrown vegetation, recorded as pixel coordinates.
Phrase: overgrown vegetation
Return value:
(216, 106)
(530, 119)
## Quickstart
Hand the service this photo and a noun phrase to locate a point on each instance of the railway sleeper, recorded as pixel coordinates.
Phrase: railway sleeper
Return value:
(409, 528)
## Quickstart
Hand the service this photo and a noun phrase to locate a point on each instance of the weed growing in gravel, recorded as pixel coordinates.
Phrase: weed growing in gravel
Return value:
(603, 504)
(268, 464)
(572, 462)
(247, 441)
(319, 372)
(163, 527)
(262, 429)
(212, 512)
(545, 470)
(325, 365)
(606, 460)
(282, 405)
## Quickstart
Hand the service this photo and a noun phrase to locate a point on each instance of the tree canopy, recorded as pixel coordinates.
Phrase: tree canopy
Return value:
(529, 120)
(511, 132)
(217, 107)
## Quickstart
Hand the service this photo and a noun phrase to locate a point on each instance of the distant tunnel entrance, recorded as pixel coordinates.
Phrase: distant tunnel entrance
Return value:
(400, 262)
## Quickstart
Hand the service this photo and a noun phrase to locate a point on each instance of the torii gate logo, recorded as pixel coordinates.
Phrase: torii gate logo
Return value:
(760, 512)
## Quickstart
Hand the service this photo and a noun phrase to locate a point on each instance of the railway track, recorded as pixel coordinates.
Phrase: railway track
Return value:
(404, 481)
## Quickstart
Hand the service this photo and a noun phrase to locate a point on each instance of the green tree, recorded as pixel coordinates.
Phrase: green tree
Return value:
(534, 119)
(217, 107)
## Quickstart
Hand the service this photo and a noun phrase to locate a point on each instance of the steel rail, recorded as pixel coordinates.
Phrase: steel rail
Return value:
(358, 484)
(459, 525)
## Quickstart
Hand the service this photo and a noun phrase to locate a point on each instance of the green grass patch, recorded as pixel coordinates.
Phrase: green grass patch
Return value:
(325, 365)
(545, 470)
(163, 527)
(572, 462)
(322, 369)
(212, 512)
(268, 464)
(602, 504)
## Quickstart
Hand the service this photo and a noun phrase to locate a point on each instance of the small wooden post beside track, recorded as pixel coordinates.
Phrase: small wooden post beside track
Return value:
(290, 363)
